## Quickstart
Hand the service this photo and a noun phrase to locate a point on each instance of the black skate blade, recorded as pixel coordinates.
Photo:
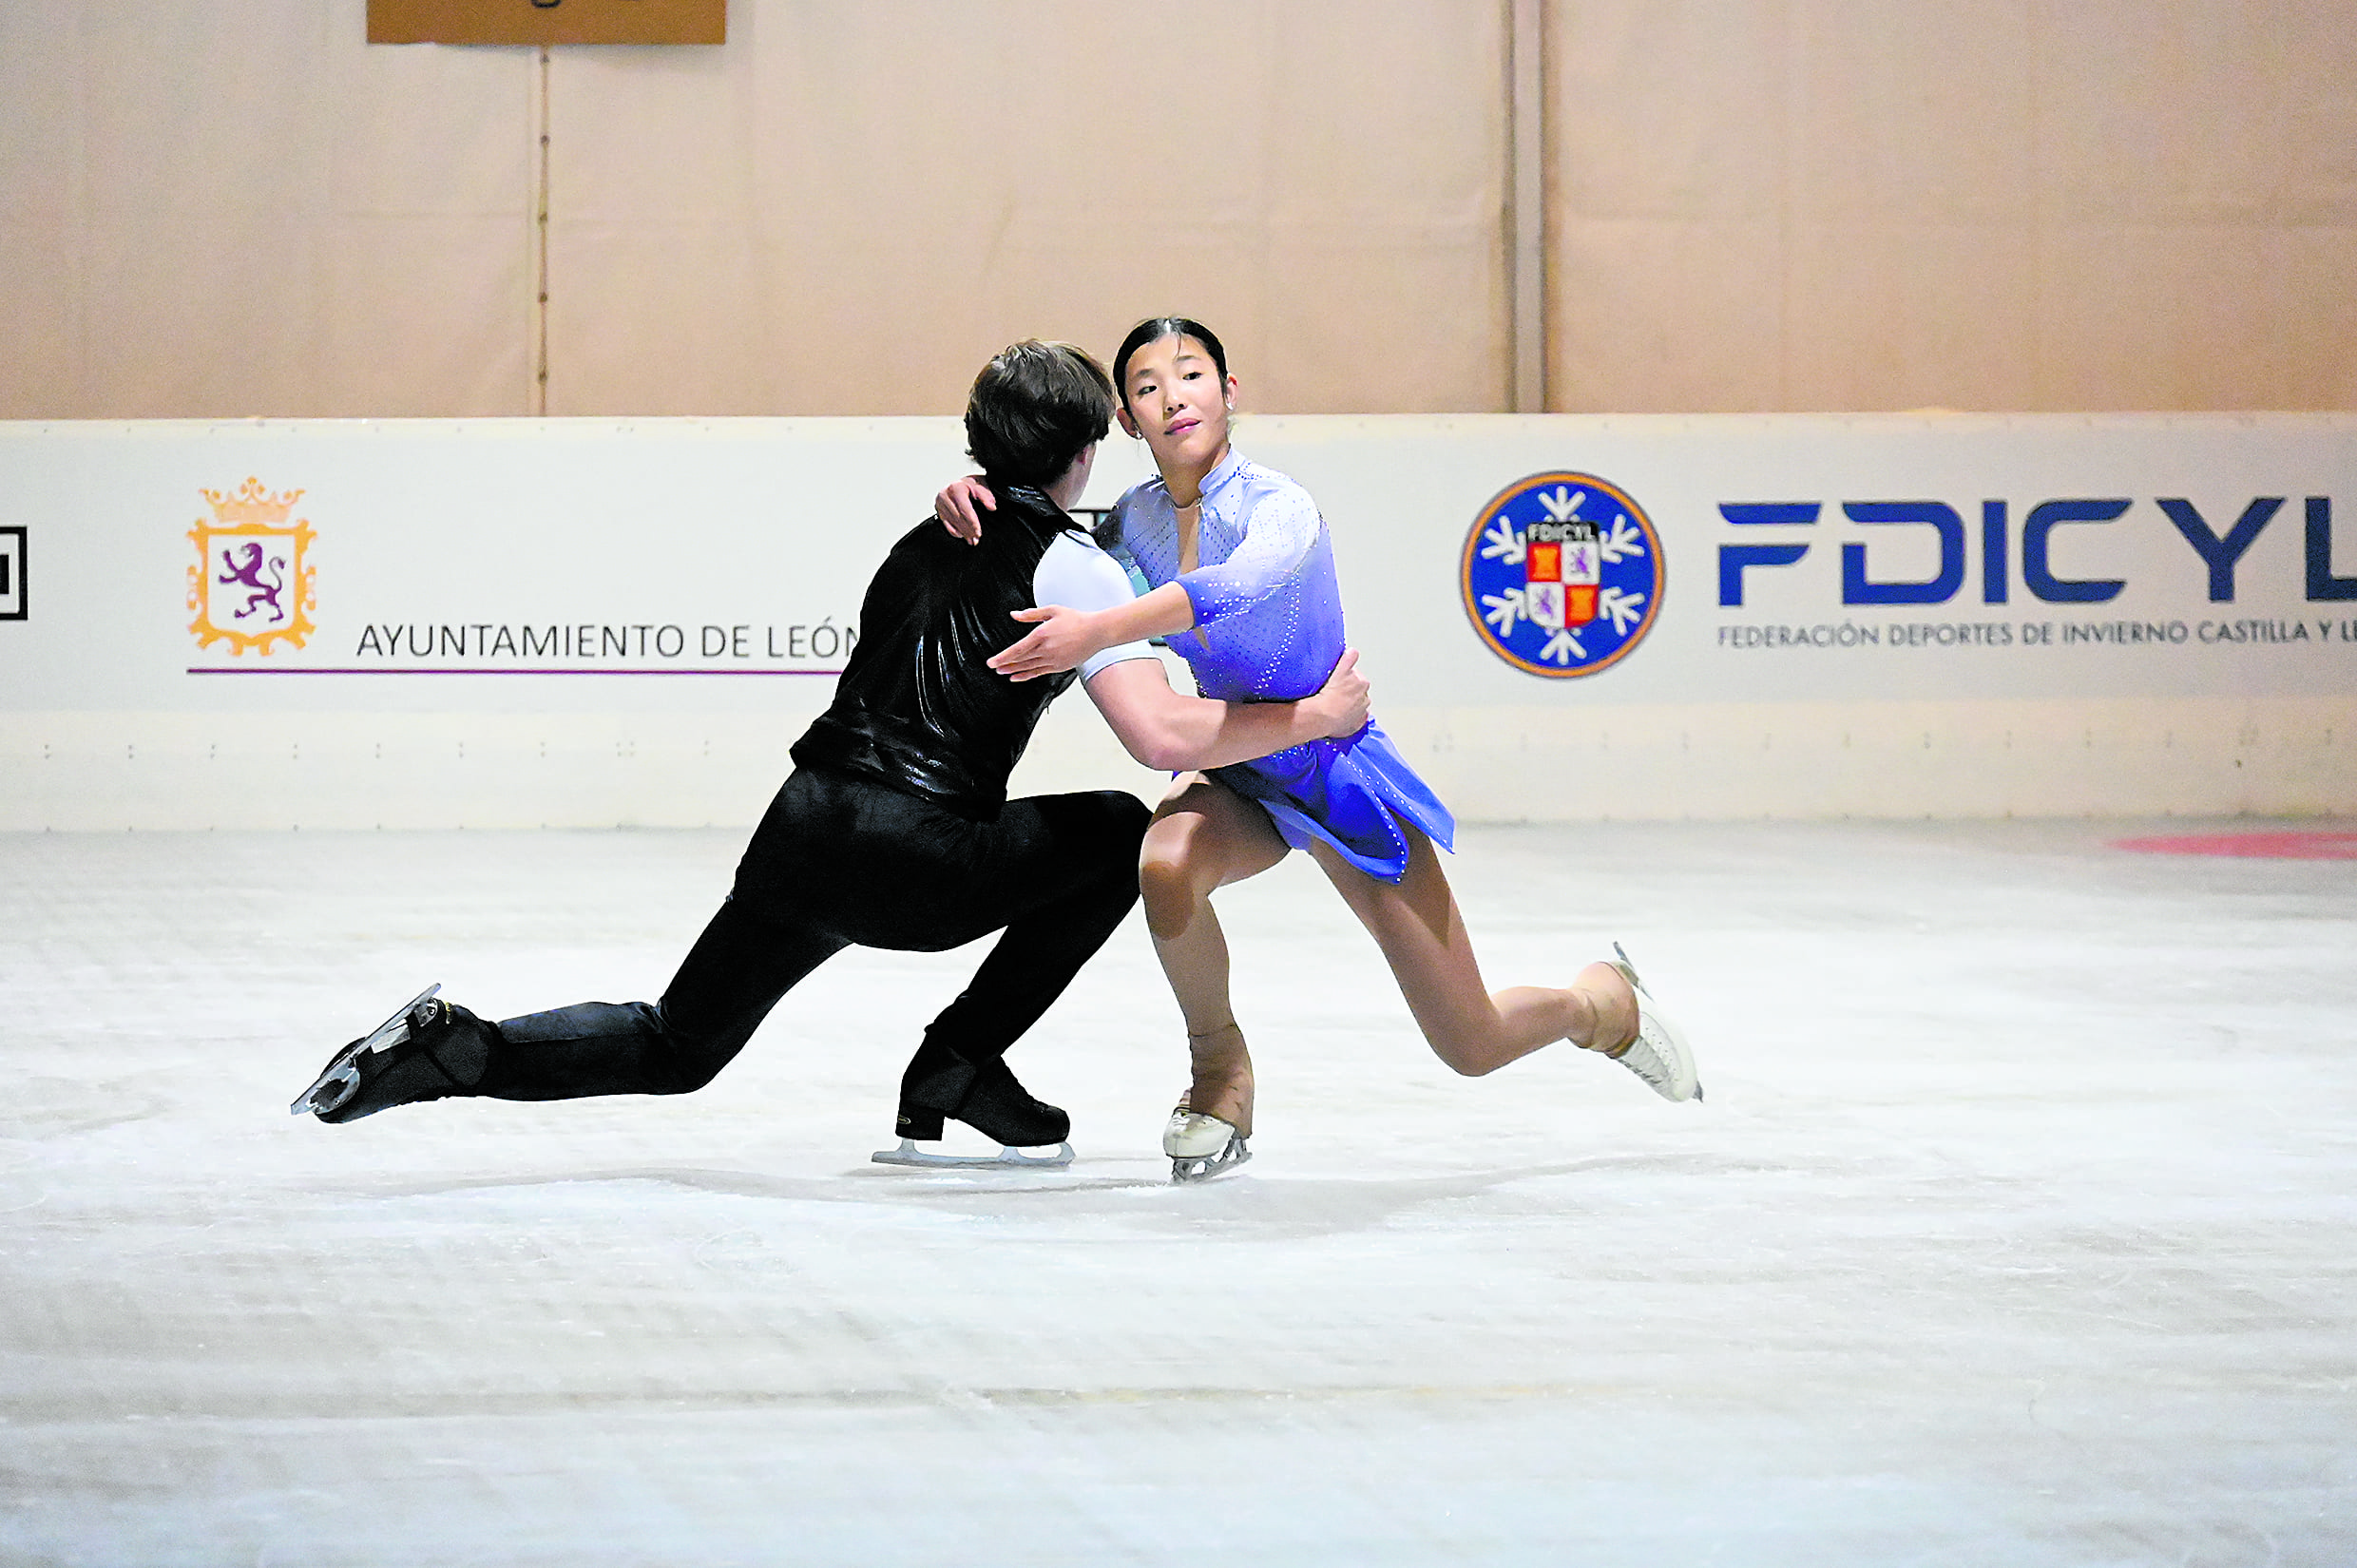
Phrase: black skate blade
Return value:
(1199, 1168)
(342, 1074)
(1008, 1157)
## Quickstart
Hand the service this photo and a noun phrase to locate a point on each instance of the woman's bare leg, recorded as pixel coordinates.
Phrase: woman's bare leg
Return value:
(1203, 837)
(1474, 1031)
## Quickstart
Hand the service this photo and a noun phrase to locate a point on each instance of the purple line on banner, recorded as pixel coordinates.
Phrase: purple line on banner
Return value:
(216, 669)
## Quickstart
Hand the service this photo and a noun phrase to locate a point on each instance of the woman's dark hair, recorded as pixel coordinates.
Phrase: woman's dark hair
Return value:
(1153, 331)
(1034, 409)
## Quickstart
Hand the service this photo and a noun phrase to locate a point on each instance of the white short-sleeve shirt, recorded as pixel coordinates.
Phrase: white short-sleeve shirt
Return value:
(1077, 575)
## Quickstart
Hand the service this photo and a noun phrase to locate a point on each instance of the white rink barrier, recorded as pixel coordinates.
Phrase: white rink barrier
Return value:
(584, 622)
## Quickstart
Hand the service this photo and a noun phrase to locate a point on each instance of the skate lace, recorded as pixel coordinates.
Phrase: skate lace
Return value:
(1644, 1057)
(436, 1016)
(1648, 1056)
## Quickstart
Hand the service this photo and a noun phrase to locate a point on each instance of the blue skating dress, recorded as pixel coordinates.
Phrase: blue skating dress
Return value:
(1268, 628)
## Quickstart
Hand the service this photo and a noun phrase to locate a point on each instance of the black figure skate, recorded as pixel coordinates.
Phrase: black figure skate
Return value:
(428, 1051)
(985, 1096)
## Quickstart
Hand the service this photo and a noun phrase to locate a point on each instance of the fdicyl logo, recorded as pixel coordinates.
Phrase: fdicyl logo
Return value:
(1561, 574)
(12, 573)
(250, 585)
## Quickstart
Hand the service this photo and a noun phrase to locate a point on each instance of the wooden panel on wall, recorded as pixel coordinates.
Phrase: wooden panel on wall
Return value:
(547, 21)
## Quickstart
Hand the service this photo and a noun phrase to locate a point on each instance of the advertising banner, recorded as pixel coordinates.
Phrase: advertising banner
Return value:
(1517, 585)
(358, 565)
(1826, 558)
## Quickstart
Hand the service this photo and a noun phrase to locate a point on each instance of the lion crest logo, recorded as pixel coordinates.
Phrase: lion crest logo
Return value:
(250, 585)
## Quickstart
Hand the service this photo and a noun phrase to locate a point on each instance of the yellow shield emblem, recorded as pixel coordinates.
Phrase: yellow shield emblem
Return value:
(250, 585)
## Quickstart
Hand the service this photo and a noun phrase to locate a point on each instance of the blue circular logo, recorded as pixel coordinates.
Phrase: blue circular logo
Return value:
(1563, 573)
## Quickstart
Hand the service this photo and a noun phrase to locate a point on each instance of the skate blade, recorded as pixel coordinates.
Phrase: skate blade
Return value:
(341, 1078)
(1009, 1156)
(1187, 1171)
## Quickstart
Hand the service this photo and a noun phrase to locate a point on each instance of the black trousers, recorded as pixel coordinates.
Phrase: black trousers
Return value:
(837, 861)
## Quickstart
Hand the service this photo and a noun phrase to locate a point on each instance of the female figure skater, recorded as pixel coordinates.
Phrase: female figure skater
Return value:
(1243, 589)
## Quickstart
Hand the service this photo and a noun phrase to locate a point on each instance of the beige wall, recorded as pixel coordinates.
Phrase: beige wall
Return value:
(217, 209)
(851, 206)
(1799, 204)
(1752, 204)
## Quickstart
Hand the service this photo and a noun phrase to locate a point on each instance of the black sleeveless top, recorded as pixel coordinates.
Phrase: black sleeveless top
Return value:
(916, 707)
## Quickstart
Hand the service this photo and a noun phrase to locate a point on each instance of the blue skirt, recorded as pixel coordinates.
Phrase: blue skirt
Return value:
(1350, 793)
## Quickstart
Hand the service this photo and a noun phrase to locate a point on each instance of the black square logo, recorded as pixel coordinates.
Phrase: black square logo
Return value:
(12, 573)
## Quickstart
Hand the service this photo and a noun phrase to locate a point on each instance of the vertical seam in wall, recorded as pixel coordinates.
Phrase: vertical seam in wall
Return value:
(1509, 194)
(539, 238)
(1788, 240)
(85, 351)
(1526, 200)
(2276, 222)
(2042, 391)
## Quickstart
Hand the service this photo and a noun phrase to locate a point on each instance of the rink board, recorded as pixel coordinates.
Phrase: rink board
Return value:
(601, 621)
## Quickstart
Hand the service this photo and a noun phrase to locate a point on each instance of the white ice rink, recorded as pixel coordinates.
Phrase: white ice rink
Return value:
(2019, 1227)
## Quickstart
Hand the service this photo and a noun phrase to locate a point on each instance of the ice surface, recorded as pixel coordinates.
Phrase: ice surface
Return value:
(2017, 1228)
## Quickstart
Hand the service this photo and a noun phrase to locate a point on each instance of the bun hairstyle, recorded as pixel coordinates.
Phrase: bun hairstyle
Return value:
(1034, 409)
(1154, 330)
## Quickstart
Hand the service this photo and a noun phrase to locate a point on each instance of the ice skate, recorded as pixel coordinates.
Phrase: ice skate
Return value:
(1207, 1132)
(428, 1051)
(1659, 1052)
(1201, 1147)
(1008, 1157)
(941, 1085)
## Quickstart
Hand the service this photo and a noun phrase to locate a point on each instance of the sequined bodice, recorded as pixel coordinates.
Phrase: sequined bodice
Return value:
(1268, 612)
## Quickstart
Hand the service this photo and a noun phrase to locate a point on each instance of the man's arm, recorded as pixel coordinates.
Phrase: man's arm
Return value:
(1125, 679)
(1064, 636)
(1164, 730)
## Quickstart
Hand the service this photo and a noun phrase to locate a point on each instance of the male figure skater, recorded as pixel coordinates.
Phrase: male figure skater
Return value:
(894, 830)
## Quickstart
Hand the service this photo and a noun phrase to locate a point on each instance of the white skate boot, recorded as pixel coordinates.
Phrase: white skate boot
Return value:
(1207, 1143)
(1659, 1054)
(1201, 1147)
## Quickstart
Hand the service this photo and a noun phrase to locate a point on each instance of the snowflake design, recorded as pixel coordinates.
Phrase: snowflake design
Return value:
(1620, 540)
(1504, 541)
(1620, 606)
(1564, 647)
(1504, 609)
(1561, 503)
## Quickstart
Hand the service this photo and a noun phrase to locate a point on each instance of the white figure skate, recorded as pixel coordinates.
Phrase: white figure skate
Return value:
(1199, 1144)
(1201, 1147)
(1659, 1054)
